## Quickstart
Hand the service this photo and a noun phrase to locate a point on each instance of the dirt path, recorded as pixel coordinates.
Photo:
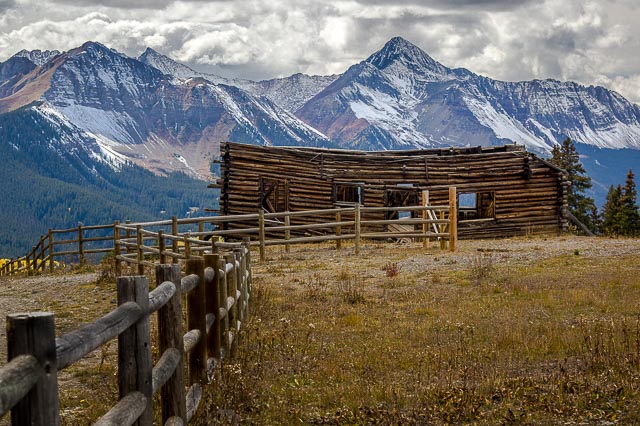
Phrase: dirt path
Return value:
(40, 293)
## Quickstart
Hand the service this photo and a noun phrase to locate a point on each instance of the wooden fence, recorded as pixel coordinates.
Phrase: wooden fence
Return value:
(178, 238)
(217, 287)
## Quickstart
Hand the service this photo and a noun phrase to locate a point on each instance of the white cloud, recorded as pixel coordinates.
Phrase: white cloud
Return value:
(592, 42)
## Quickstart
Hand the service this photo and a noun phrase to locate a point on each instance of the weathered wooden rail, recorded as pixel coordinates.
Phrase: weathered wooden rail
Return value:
(178, 238)
(217, 287)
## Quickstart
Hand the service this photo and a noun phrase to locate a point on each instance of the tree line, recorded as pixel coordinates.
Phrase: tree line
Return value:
(620, 215)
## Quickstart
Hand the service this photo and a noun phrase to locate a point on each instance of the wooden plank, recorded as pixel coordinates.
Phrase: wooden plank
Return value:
(34, 334)
(17, 378)
(134, 347)
(196, 320)
(74, 345)
(170, 338)
(211, 262)
(126, 412)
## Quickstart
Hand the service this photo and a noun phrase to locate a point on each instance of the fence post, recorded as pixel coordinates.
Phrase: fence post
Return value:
(196, 319)
(247, 244)
(441, 226)
(287, 232)
(42, 265)
(80, 244)
(453, 218)
(117, 249)
(232, 292)
(243, 283)
(262, 235)
(213, 306)
(425, 226)
(170, 335)
(51, 255)
(222, 296)
(34, 334)
(161, 247)
(357, 230)
(27, 261)
(134, 346)
(140, 253)
(187, 247)
(338, 230)
(127, 235)
(34, 259)
(174, 242)
(237, 253)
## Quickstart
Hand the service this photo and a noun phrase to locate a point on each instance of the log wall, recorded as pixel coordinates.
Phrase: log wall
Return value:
(528, 191)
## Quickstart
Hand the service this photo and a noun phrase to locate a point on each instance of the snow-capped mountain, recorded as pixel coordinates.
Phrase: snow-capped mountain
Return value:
(165, 116)
(38, 57)
(137, 113)
(182, 72)
(289, 93)
(401, 98)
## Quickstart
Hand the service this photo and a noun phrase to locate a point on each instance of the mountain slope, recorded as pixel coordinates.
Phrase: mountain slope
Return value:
(138, 113)
(53, 181)
(400, 97)
(289, 93)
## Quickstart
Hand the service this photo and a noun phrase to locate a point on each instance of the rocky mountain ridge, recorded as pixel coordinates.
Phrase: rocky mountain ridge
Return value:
(165, 116)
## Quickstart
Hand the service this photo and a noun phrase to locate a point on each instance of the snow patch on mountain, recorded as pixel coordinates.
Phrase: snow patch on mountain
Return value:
(387, 113)
(115, 126)
(618, 136)
(108, 153)
(503, 126)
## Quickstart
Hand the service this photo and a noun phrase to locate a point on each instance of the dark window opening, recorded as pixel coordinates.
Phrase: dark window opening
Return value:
(403, 195)
(348, 193)
(274, 195)
(476, 205)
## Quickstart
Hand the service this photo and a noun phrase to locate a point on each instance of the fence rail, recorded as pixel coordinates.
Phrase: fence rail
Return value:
(177, 239)
(217, 288)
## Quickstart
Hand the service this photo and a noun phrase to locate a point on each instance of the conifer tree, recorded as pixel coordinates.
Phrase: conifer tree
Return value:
(611, 212)
(596, 220)
(566, 157)
(630, 214)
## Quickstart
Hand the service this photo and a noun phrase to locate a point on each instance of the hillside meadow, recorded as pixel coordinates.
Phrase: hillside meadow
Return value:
(523, 331)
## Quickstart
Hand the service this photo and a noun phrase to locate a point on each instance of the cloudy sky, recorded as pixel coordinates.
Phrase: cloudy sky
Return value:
(591, 42)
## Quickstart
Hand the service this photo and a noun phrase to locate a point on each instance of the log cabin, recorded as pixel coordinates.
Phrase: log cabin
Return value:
(502, 191)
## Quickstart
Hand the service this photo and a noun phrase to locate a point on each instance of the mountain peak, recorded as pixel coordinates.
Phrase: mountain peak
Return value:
(400, 51)
(149, 52)
(38, 57)
(166, 65)
(93, 45)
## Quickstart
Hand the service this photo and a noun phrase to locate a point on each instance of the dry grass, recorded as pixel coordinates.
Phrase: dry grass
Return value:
(538, 332)
(475, 339)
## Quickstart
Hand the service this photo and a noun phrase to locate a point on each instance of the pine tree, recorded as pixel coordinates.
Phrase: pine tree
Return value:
(566, 157)
(596, 220)
(630, 214)
(611, 212)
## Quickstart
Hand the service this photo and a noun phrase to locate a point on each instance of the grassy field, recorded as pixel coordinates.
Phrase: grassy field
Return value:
(404, 336)
(523, 331)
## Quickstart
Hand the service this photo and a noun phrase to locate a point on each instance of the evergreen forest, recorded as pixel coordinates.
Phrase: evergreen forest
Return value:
(50, 183)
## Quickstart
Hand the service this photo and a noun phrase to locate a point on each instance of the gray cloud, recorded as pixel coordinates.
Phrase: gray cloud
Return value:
(6, 5)
(592, 43)
(127, 4)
